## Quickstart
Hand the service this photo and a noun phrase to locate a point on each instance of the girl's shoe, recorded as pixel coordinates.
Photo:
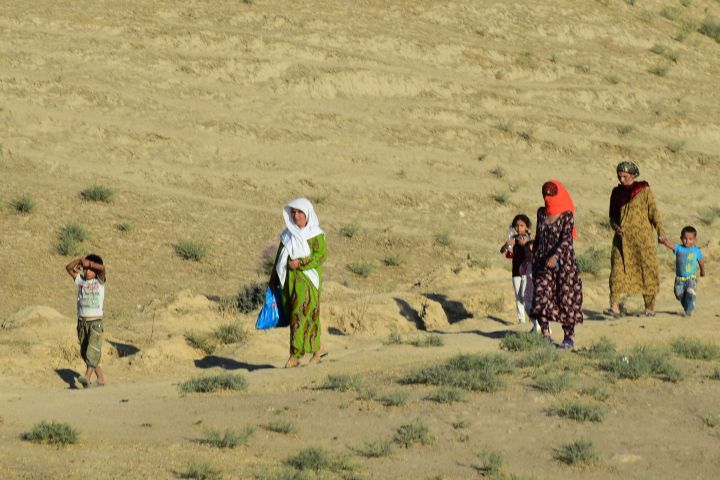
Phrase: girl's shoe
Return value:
(566, 344)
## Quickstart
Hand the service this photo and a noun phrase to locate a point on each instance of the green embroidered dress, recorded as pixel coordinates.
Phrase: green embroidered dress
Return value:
(301, 300)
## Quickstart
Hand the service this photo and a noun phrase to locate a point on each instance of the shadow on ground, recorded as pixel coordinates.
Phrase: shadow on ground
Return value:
(409, 313)
(68, 376)
(454, 310)
(124, 349)
(212, 361)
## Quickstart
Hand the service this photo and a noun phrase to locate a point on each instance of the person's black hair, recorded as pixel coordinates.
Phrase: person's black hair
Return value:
(524, 218)
(94, 258)
(688, 229)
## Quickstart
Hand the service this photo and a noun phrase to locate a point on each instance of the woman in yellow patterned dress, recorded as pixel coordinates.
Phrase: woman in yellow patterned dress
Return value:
(634, 218)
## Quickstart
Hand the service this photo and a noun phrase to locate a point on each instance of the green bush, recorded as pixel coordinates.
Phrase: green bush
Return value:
(675, 146)
(201, 471)
(230, 333)
(71, 234)
(644, 361)
(427, 341)
(361, 268)
(376, 449)
(318, 459)
(660, 71)
(447, 395)
(469, 372)
(123, 226)
(708, 215)
(539, 357)
(392, 260)
(213, 383)
(592, 260)
(695, 349)
(250, 298)
(712, 421)
(598, 392)
(52, 433)
(579, 411)
(625, 129)
(492, 462)
(553, 383)
(579, 452)
(366, 392)
(205, 342)
(442, 239)
(523, 342)
(601, 348)
(97, 193)
(23, 204)
(711, 28)
(341, 382)
(191, 250)
(394, 399)
(500, 197)
(228, 439)
(350, 230)
(281, 426)
(414, 432)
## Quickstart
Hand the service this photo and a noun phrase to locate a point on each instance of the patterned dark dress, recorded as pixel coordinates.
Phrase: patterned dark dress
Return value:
(557, 292)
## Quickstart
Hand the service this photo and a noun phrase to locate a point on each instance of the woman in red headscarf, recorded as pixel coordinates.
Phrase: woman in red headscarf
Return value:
(557, 293)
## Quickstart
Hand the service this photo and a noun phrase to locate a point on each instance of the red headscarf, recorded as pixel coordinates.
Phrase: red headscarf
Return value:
(557, 200)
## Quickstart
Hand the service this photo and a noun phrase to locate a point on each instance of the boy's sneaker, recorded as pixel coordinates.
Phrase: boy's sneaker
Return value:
(83, 381)
(566, 344)
(688, 313)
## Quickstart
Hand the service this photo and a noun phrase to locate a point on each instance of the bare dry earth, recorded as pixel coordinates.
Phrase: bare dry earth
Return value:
(415, 122)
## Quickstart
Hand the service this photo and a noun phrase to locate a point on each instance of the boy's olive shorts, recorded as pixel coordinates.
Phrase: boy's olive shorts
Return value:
(90, 335)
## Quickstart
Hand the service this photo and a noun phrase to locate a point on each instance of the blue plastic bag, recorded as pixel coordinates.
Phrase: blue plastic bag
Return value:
(272, 314)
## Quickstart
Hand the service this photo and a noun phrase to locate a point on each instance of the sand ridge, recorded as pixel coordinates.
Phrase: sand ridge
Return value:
(425, 125)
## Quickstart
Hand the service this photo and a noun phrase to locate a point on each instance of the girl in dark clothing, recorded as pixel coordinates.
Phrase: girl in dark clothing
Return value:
(517, 247)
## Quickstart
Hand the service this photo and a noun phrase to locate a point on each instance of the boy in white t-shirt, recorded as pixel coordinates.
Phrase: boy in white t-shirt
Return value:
(90, 298)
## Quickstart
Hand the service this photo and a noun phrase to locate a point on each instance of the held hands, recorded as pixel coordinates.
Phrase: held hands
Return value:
(552, 261)
(294, 264)
(619, 230)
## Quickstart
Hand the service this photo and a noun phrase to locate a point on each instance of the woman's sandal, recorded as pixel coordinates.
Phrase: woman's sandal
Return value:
(292, 362)
(316, 358)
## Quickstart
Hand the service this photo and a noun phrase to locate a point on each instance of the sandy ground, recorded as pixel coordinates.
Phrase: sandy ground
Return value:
(408, 121)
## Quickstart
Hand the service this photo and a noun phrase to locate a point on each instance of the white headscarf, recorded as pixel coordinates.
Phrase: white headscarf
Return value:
(295, 239)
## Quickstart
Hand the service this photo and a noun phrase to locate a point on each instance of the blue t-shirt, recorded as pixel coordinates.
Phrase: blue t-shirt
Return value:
(686, 260)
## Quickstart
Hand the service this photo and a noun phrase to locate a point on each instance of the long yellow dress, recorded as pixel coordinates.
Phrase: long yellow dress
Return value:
(634, 263)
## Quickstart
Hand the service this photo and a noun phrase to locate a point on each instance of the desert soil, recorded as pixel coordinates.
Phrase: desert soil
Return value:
(418, 129)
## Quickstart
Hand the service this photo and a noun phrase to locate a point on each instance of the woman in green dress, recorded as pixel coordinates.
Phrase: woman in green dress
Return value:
(298, 272)
(634, 218)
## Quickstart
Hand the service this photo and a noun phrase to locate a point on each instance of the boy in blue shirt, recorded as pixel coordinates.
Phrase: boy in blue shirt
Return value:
(688, 258)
